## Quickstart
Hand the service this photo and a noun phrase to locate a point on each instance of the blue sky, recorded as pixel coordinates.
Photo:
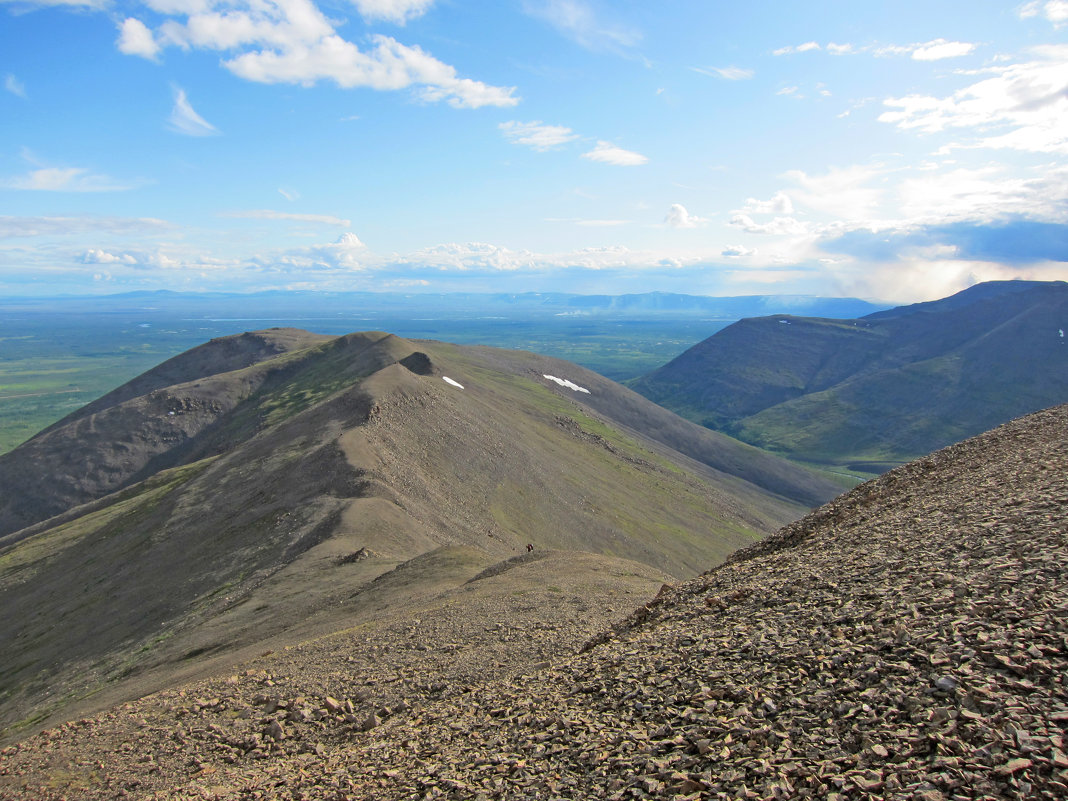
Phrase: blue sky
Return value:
(897, 152)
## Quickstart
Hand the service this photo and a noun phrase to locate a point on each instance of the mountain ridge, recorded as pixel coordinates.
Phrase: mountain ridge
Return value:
(903, 641)
(883, 388)
(232, 508)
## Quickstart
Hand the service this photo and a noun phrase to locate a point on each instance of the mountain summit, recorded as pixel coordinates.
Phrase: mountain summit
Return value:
(879, 389)
(280, 481)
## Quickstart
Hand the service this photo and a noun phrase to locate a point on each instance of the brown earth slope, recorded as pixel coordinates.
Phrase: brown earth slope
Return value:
(287, 499)
(907, 641)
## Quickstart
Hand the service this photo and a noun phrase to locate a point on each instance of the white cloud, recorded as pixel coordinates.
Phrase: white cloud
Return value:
(12, 227)
(288, 194)
(1056, 11)
(736, 251)
(790, 49)
(1026, 102)
(185, 120)
(780, 226)
(135, 39)
(840, 49)
(267, 214)
(843, 193)
(608, 153)
(984, 195)
(291, 41)
(577, 20)
(536, 134)
(940, 48)
(399, 11)
(779, 204)
(934, 50)
(787, 90)
(727, 73)
(389, 66)
(679, 217)
(64, 179)
(14, 85)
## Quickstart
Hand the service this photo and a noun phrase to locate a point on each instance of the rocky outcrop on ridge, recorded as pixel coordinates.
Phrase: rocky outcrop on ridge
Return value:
(907, 641)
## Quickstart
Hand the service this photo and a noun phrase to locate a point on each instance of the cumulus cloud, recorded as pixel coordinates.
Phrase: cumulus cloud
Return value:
(679, 217)
(607, 153)
(1026, 102)
(1056, 11)
(779, 226)
(14, 85)
(185, 120)
(291, 41)
(537, 135)
(727, 73)
(577, 20)
(779, 204)
(268, 214)
(399, 11)
(135, 39)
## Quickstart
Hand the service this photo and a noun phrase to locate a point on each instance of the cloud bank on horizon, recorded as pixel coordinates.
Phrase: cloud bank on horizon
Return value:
(537, 145)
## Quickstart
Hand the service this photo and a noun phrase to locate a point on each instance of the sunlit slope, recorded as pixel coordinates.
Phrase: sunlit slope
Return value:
(882, 388)
(320, 470)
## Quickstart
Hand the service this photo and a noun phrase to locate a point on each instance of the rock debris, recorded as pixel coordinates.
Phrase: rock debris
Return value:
(908, 640)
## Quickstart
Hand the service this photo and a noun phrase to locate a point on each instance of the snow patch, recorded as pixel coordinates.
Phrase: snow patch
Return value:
(448, 380)
(568, 384)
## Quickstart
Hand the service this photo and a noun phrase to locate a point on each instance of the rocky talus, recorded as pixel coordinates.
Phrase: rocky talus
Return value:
(907, 641)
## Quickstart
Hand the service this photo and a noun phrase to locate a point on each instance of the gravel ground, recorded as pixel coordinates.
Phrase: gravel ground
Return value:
(907, 641)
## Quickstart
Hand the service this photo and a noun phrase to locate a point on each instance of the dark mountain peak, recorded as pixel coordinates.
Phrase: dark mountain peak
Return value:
(978, 293)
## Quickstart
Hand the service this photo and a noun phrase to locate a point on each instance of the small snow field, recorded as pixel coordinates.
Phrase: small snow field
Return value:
(568, 384)
(449, 381)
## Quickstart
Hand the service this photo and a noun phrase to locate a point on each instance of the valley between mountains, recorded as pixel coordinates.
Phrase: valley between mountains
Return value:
(289, 566)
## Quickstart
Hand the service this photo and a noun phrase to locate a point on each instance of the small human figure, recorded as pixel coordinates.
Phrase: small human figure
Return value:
(529, 547)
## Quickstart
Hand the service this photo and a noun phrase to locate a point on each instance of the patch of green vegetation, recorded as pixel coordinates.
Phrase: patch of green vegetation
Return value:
(131, 505)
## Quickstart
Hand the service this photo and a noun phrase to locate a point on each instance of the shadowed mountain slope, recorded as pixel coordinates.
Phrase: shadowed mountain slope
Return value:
(232, 508)
(882, 388)
(906, 641)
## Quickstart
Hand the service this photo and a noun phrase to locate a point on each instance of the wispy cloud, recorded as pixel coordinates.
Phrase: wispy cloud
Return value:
(17, 227)
(14, 85)
(185, 120)
(268, 214)
(289, 194)
(727, 73)
(64, 179)
(398, 11)
(791, 49)
(934, 50)
(577, 20)
(537, 134)
(1019, 107)
(607, 153)
(1056, 11)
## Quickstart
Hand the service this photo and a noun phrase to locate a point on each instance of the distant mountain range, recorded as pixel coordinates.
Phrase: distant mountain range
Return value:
(277, 303)
(878, 389)
(265, 480)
